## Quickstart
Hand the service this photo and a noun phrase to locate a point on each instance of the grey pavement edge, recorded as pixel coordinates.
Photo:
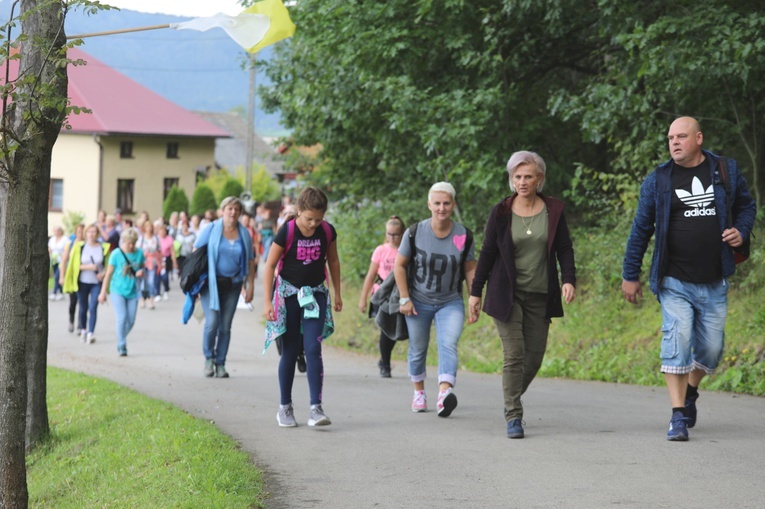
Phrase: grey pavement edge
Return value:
(587, 445)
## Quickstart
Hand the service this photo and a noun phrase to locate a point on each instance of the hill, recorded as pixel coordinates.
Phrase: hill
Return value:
(201, 71)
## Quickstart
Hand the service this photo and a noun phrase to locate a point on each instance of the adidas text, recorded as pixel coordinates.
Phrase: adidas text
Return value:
(700, 212)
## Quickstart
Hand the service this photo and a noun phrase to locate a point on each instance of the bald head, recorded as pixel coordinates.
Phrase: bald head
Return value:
(685, 140)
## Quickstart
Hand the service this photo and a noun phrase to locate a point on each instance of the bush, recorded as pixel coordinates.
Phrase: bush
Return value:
(71, 219)
(203, 200)
(231, 187)
(176, 201)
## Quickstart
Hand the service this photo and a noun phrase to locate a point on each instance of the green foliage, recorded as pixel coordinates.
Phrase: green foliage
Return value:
(215, 181)
(264, 187)
(113, 447)
(202, 200)
(601, 337)
(71, 219)
(231, 187)
(176, 201)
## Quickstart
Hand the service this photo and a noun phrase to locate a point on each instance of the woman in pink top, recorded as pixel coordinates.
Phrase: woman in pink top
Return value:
(383, 259)
(167, 250)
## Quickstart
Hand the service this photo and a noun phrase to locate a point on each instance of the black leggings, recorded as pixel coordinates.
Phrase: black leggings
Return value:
(72, 306)
(386, 348)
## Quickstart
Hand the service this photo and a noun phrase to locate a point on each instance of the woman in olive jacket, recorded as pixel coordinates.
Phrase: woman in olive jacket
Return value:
(525, 234)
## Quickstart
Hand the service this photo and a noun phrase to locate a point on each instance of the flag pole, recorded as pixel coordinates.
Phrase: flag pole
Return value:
(122, 31)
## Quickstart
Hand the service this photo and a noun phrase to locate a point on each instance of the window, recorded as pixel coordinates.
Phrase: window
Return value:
(56, 195)
(125, 195)
(172, 150)
(169, 183)
(126, 149)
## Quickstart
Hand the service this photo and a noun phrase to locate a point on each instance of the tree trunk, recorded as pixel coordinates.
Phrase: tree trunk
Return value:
(35, 119)
(37, 428)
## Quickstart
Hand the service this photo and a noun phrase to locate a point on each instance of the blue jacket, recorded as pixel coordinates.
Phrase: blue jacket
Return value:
(653, 214)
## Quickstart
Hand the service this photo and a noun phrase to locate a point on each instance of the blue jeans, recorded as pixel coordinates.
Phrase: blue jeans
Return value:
(266, 239)
(449, 319)
(125, 309)
(693, 325)
(87, 296)
(306, 332)
(56, 273)
(148, 285)
(218, 323)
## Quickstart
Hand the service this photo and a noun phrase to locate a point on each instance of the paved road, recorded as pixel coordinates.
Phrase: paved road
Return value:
(588, 445)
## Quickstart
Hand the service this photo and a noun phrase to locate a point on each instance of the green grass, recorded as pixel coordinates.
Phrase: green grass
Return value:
(602, 337)
(111, 447)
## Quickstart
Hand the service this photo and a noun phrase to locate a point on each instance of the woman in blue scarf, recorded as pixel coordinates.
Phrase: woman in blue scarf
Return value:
(230, 262)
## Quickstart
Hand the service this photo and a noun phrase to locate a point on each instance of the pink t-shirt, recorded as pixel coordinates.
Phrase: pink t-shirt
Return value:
(385, 257)
(166, 245)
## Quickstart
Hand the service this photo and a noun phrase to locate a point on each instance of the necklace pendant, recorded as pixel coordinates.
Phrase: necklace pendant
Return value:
(528, 232)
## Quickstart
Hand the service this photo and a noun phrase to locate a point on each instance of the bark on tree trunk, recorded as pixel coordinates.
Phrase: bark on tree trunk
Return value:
(37, 428)
(34, 119)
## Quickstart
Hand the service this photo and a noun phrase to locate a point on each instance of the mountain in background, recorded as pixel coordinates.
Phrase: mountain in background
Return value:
(201, 71)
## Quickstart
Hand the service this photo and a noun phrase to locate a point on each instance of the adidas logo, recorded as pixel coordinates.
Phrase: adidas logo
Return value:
(698, 199)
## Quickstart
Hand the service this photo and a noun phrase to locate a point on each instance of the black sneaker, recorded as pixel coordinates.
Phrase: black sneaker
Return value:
(384, 369)
(301, 362)
(690, 410)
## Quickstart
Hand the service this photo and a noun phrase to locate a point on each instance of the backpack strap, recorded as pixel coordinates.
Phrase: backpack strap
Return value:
(290, 239)
(468, 245)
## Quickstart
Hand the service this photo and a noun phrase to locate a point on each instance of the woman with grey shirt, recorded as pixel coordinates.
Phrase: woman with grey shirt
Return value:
(443, 257)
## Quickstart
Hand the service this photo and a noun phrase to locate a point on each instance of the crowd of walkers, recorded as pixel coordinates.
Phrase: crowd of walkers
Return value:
(415, 281)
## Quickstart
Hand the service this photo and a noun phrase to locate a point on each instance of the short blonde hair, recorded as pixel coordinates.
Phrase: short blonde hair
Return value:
(231, 200)
(129, 236)
(442, 187)
(525, 157)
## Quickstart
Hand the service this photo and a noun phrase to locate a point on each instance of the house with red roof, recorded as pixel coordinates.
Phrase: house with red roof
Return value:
(127, 153)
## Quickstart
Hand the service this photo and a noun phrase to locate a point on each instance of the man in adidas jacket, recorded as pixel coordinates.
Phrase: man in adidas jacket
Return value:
(684, 202)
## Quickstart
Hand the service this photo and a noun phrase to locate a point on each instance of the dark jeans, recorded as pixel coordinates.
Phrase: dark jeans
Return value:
(56, 273)
(310, 338)
(217, 333)
(87, 295)
(72, 306)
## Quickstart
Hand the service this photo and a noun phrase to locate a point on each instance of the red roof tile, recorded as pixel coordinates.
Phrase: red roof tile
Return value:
(121, 105)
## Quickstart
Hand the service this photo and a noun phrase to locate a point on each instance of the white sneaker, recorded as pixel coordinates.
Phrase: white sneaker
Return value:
(318, 417)
(60, 296)
(164, 296)
(84, 336)
(157, 298)
(286, 417)
(91, 338)
(52, 296)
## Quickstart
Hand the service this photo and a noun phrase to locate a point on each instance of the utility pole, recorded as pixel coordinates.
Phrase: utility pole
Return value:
(250, 127)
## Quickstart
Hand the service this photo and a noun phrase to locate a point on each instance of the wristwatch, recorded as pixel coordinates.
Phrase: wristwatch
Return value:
(403, 300)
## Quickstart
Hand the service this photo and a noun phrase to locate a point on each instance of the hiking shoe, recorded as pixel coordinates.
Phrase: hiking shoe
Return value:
(301, 362)
(220, 371)
(209, 368)
(419, 402)
(384, 369)
(286, 417)
(317, 417)
(690, 410)
(678, 428)
(447, 402)
(91, 338)
(515, 428)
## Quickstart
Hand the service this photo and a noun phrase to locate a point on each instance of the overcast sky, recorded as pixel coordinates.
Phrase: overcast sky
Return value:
(191, 8)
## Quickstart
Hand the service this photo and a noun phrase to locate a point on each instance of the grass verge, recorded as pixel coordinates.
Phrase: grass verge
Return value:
(602, 337)
(111, 447)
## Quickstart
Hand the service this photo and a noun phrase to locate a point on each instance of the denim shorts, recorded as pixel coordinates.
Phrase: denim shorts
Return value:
(693, 325)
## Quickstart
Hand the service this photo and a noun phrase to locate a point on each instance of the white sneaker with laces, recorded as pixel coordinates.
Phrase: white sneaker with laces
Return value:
(157, 298)
(164, 296)
(317, 417)
(91, 338)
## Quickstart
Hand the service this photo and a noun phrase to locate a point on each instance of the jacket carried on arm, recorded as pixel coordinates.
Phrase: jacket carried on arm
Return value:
(496, 263)
(653, 213)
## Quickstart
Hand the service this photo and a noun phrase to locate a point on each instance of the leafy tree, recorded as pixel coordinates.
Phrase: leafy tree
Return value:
(264, 187)
(664, 60)
(176, 201)
(402, 94)
(34, 107)
(202, 200)
(231, 187)
(71, 219)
